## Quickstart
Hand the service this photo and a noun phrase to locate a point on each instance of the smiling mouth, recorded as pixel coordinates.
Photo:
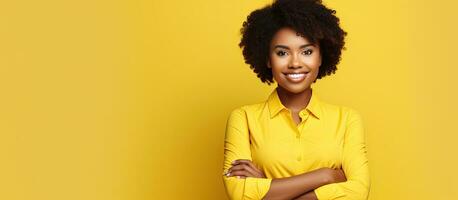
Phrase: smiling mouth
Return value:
(296, 77)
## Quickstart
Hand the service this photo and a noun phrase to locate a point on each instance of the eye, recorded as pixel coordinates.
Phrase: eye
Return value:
(281, 53)
(307, 52)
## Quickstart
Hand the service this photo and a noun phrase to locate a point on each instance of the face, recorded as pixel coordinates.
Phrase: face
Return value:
(294, 61)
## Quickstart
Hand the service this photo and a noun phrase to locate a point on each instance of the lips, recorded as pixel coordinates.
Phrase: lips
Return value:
(296, 77)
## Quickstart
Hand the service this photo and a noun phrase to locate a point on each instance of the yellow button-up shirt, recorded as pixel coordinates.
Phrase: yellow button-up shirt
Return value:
(328, 136)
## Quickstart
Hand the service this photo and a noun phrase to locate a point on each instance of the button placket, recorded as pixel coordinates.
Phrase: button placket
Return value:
(304, 116)
(299, 141)
(299, 152)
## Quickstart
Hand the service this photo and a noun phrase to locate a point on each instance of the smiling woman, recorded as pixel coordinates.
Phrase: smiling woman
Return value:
(293, 145)
(293, 59)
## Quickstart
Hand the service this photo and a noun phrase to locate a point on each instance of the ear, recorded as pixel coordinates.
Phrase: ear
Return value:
(268, 64)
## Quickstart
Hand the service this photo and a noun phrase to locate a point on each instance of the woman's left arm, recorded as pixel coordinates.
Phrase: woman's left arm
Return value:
(354, 163)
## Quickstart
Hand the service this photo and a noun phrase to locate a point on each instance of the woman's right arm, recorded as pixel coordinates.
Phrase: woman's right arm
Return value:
(299, 185)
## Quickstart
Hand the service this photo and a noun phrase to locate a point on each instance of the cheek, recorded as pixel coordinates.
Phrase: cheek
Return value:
(276, 72)
(278, 65)
(313, 62)
(279, 62)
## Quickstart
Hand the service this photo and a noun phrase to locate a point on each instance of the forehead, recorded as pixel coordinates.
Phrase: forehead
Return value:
(289, 37)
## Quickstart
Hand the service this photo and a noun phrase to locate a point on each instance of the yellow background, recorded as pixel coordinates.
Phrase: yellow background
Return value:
(121, 99)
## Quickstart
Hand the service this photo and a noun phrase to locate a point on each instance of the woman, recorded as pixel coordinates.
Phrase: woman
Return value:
(294, 146)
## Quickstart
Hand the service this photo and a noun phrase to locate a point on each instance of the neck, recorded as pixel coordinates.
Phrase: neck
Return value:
(294, 101)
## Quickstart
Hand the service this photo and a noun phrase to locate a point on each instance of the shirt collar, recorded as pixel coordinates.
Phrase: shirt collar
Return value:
(275, 105)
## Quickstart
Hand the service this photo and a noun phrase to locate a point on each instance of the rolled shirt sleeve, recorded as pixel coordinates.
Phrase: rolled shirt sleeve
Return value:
(354, 164)
(237, 146)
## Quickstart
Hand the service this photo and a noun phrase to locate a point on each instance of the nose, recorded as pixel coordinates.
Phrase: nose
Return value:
(295, 62)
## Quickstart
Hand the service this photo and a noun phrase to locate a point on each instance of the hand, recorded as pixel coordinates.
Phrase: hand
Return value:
(335, 175)
(244, 168)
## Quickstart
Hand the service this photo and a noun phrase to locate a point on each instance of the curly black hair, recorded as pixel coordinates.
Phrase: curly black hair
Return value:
(309, 18)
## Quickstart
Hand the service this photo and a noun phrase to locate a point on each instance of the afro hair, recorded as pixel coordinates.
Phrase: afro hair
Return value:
(309, 18)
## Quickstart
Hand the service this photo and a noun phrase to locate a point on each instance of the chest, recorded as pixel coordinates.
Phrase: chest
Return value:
(287, 148)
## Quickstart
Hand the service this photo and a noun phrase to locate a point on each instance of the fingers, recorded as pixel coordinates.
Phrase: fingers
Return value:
(340, 175)
(240, 170)
(247, 162)
(240, 173)
(244, 168)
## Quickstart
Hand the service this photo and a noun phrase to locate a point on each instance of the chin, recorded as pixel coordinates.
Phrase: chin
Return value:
(297, 89)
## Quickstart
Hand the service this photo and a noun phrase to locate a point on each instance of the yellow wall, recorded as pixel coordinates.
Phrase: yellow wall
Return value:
(128, 99)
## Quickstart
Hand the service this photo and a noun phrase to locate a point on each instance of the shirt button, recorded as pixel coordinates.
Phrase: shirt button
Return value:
(299, 158)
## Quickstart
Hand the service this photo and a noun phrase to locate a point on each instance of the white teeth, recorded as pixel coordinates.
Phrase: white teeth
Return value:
(296, 75)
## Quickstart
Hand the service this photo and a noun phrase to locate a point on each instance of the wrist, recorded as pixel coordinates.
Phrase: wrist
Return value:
(326, 176)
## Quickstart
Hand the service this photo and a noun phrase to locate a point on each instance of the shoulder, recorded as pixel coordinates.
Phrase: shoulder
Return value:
(347, 113)
(352, 116)
(248, 109)
(239, 117)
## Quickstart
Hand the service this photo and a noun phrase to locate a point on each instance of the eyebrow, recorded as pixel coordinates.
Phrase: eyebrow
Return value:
(286, 47)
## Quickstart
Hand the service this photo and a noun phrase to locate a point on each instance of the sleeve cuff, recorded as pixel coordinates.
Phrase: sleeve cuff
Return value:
(329, 192)
(258, 186)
